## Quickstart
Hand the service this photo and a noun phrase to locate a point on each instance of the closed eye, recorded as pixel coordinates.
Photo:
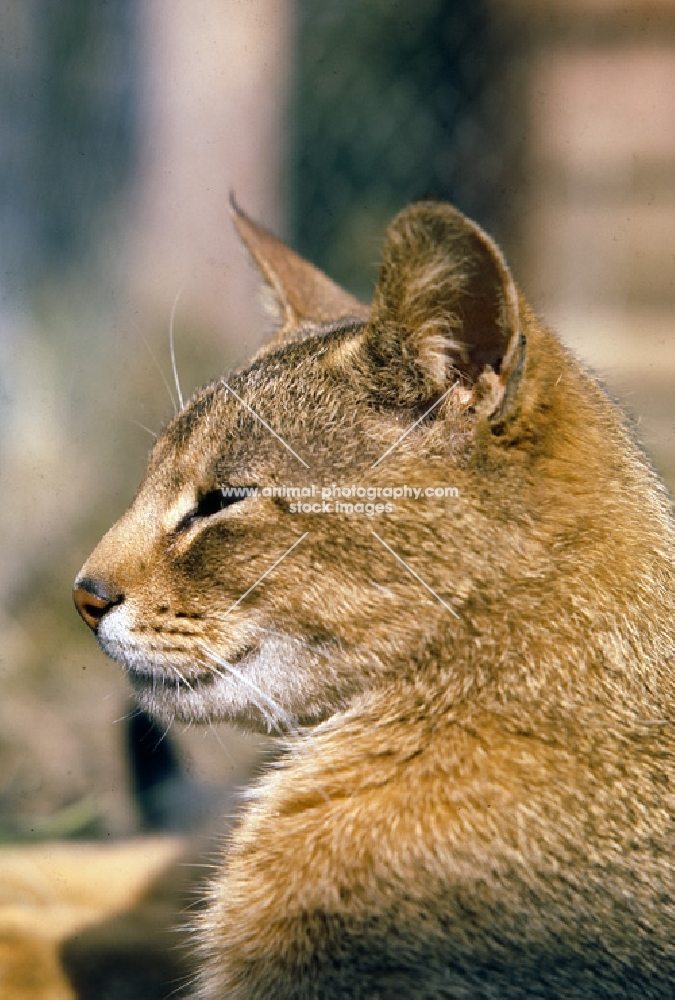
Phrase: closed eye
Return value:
(214, 501)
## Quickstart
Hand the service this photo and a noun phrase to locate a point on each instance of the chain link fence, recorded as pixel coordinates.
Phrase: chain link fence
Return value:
(395, 102)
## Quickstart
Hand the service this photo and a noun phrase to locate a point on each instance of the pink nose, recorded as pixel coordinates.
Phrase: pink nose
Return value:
(93, 599)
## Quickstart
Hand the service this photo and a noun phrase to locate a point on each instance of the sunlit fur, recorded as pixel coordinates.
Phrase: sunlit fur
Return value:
(483, 804)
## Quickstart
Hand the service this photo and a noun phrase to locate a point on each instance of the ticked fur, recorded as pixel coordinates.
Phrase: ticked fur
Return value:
(483, 805)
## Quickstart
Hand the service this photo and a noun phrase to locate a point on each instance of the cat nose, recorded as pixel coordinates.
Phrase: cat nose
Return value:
(93, 599)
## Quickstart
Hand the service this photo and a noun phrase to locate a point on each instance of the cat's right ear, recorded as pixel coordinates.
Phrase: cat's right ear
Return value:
(303, 296)
(445, 315)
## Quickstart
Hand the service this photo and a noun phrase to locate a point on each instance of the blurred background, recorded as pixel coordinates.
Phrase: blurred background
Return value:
(123, 129)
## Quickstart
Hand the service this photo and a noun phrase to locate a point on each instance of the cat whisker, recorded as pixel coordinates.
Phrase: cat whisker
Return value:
(189, 983)
(133, 712)
(263, 711)
(217, 661)
(270, 721)
(165, 733)
(182, 677)
(161, 372)
(294, 747)
(172, 351)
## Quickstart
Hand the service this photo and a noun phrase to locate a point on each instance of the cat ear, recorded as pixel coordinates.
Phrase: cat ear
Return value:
(302, 293)
(445, 311)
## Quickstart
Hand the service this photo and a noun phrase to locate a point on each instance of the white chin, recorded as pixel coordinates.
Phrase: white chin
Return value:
(254, 691)
(216, 700)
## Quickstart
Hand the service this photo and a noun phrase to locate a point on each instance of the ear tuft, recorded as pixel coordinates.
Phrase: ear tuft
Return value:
(445, 306)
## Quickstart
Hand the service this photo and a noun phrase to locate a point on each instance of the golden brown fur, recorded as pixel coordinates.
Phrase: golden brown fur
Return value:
(483, 806)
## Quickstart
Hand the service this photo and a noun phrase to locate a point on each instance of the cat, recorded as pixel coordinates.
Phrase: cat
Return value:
(475, 680)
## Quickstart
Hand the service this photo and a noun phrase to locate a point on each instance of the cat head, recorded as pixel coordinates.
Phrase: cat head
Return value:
(312, 524)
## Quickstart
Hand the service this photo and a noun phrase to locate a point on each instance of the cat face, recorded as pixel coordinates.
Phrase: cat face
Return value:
(311, 524)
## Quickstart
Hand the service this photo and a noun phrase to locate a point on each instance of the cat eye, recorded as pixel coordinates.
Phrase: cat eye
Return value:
(214, 501)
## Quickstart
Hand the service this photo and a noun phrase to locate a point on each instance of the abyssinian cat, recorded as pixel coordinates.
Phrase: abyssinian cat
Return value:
(474, 665)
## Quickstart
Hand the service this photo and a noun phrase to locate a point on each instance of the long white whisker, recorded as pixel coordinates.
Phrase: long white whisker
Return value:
(224, 665)
(163, 376)
(165, 733)
(269, 719)
(294, 747)
(172, 351)
(214, 659)
(182, 677)
(133, 712)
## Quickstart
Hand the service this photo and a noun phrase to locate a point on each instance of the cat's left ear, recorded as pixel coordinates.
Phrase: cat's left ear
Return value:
(445, 313)
(303, 296)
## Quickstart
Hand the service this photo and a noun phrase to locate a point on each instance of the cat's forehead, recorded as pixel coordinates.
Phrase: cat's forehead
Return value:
(232, 409)
(294, 367)
(178, 438)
